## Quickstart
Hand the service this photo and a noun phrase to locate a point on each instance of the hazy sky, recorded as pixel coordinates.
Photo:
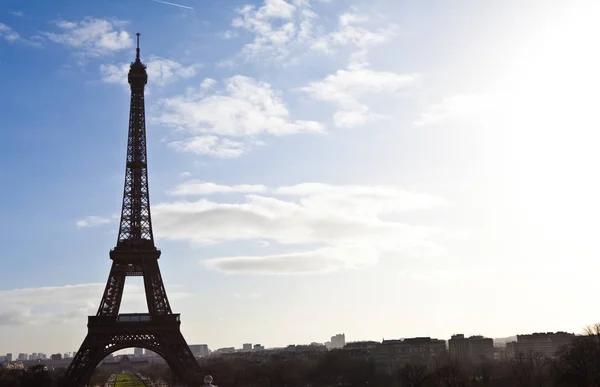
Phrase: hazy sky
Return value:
(382, 168)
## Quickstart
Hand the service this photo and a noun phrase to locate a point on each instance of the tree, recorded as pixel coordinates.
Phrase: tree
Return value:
(578, 364)
(450, 374)
(412, 375)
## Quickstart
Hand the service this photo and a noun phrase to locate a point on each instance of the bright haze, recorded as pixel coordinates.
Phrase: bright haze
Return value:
(379, 168)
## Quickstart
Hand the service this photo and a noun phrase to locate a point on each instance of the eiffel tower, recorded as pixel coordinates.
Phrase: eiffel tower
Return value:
(135, 255)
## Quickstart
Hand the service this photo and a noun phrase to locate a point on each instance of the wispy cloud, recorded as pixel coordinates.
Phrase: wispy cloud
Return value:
(197, 188)
(161, 71)
(212, 146)
(93, 221)
(353, 31)
(454, 107)
(62, 304)
(350, 225)
(346, 87)
(10, 35)
(323, 260)
(173, 4)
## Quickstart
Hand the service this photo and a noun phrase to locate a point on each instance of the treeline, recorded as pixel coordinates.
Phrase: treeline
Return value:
(576, 365)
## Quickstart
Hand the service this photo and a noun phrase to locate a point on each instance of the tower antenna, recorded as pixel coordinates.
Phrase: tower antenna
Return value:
(137, 50)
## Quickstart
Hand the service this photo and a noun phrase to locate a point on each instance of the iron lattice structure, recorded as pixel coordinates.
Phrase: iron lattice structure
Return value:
(134, 255)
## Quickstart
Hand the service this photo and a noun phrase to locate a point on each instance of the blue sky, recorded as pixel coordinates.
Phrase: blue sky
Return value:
(379, 168)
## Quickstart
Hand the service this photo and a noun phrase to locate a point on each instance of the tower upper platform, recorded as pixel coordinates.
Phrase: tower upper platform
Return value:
(137, 70)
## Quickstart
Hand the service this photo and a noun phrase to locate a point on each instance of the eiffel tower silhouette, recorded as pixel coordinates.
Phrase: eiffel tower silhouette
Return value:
(135, 255)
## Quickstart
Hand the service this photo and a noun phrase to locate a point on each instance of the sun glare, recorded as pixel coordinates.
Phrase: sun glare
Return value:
(545, 107)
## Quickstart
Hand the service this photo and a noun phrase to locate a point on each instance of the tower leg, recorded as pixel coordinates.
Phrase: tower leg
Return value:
(113, 292)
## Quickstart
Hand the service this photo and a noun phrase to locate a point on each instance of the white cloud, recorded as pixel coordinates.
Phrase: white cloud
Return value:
(17, 13)
(455, 107)
(245, 108)
(92, 221)
(346, 87)
(207, 83)
(196, 188)
(213, 146)
(286, 29)
(338, 220)
(92, 37)
(114, 73)
(62, 304)
(161, 71)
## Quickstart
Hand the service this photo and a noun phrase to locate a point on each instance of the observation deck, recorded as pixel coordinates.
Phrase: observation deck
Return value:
(137, 318)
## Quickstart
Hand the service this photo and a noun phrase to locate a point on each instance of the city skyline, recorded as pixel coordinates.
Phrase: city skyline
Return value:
(553, 340)
(315, 166)
(498, 341)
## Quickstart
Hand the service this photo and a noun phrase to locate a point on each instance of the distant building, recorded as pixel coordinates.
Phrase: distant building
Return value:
(138, 352)
(501, 353)
(458, 348)
(546, 344)
(337, 342)
(258, 347)
(34, 356)
(510, 350)
(472, 350)
(392, 355)
(22, 356)
(221, 351)
(8, 358)
(56, 356)
(200, 350)
(247, 347)
(303, 352)
(361, 349)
